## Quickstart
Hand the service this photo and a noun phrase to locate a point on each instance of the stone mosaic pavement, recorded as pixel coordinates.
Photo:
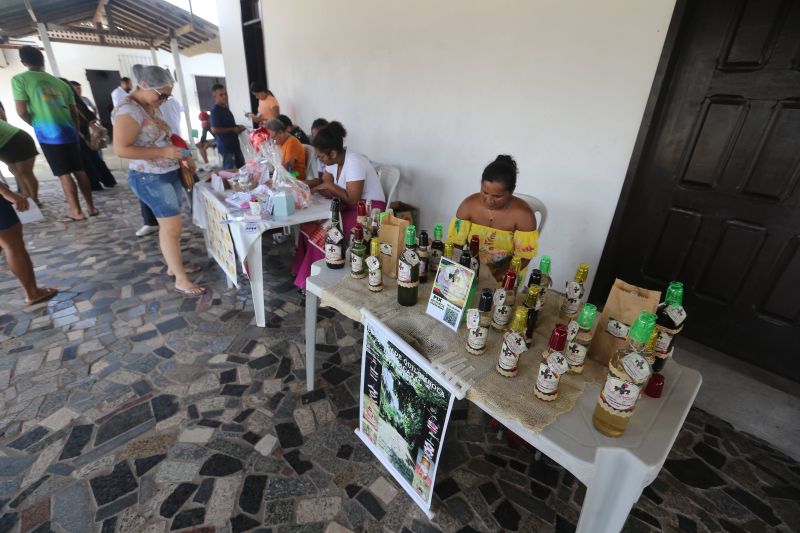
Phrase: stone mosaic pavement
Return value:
(124, 407)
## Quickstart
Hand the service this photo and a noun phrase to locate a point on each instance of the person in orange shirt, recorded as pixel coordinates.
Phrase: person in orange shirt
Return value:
(268, 106)
(294, 155)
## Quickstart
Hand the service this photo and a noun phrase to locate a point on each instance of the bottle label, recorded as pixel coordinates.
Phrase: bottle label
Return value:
(574, 290)
(677, 314)
(475, 264)
(356, 263)
(617, 328)
(636, 366)
(547, 380)
(386, 248)
(411, 257)
(541, 300)
(375, 274)
(335, 235)
(513, 346)
(663, 341)
(501, 315)
(333, 254)
(619, 394)
(499, 297)
(576, 354)
(476, 337)
(572, 330)
(473, 318)
(404, 272)
(557, 363)
(436, 256)
(423, 266)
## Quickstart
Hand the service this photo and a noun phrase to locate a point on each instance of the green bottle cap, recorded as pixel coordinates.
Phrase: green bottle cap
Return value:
(675, 294)
(381, 217)
(643, 327)
(587, 316)
(294, 174)
(544, 264)
(411, 235)
(437, 232)
(582, 273)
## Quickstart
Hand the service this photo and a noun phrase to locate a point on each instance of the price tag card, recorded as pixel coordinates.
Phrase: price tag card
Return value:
(450, 293)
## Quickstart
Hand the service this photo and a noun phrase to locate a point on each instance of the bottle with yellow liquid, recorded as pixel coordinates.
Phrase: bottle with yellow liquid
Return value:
(513, 345)
(574, 293)
(628, 371)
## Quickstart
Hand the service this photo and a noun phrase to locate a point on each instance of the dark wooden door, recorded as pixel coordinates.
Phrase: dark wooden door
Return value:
(203, 84)
(102, 83)
(714, 200)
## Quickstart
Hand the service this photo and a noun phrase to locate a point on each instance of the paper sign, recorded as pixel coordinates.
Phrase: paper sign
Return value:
(450, 292)
(404, 410)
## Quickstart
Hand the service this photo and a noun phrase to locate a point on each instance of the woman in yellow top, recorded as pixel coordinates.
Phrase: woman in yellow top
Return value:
(505, 224)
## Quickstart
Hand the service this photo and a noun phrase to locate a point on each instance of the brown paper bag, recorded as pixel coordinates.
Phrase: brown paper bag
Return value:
(392, 234)
(623, 305)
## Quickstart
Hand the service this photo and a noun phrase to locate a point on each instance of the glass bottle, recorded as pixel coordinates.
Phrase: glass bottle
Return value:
(449, 251)
(649, 351)
(478, 321)
(513, 345)
(669, 322)
(553, 365)
(475, 252)
(362, 215)
(466, 261)
(375, 280)
(334, 240)
(504, 301)
(574, 292)
(408, 270)
(424, 256)
(579, 337)
(375, 221)
(547, 281)
(437, 247)
(516, 266)
(628, 371)
(358, 254)
(533, 314)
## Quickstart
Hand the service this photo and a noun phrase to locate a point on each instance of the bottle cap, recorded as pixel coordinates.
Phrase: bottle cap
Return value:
(437, 232)
(587, 316)
(582, 273)
(358, 233)
(423, 238)
(448, 250)
(516, 264)
(510, 281)
(466, 258)
(520, 320)
(485, 303)
(536, 277)
(642, 327)
(558, 339)
(675, 294)
(411, 235)
(362, 208)
(544, 264)
(532, 296)
(475, 245)
(375, 247)
(381, 217)
(655, 386)
(335, 202)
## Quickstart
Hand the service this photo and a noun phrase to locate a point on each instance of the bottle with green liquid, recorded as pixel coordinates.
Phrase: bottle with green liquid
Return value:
(408, 270)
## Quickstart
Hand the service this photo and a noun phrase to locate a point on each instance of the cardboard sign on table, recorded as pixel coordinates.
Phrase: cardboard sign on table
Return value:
(404, 408)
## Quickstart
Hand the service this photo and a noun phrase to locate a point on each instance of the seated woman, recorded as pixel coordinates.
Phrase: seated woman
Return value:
(293, 155)
(348, 176)
(505, 224)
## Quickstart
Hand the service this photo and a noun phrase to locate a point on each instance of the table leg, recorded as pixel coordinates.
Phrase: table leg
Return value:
(257, 281)
(616, 485)
(311, 338)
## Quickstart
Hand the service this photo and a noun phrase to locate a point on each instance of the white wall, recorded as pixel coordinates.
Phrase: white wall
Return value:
(232, 44)
(440, 88)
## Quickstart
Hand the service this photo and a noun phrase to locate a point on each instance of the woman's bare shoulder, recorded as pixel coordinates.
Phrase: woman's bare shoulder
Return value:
(524, 217)
(468, 206)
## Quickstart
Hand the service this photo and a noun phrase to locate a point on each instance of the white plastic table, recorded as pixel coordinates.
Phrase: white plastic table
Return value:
(248, 245)
(615, 471)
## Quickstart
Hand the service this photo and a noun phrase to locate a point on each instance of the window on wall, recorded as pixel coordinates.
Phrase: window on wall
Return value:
(203, 85)
(253, 45)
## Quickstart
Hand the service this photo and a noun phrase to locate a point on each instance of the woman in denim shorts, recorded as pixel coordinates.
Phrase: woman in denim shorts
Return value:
(142, 135)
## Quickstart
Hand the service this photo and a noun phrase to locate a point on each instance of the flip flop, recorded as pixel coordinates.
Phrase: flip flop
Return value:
(48, 293)
(94, 213)
(69, 218)
(193, 292)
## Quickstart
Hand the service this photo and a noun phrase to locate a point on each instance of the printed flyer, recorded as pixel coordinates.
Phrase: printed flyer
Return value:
(218, 239)
(450, 292)
(404, 410)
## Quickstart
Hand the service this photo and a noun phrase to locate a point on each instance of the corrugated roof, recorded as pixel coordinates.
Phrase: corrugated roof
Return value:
(124, 23)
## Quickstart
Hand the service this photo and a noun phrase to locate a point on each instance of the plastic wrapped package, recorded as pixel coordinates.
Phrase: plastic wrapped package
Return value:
(250, 153)
(283, 181)
(258, 137)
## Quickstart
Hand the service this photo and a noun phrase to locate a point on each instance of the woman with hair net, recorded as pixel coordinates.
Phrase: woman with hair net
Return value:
(142, 135)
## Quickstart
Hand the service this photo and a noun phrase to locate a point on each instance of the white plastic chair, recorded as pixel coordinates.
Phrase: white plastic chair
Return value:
(389, 177)
(537, 206)
(311, 161)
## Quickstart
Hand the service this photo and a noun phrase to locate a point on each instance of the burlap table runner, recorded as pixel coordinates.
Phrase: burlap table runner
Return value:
(472, 376)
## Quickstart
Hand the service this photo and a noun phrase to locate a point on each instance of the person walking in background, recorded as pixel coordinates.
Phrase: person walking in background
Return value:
(268, 106)
(19, 262)
(225, 129)
(18, 152)
(121, 92)
(294, 130)
(48, 104)
(142, 135)
(204, 144)
(86, 100)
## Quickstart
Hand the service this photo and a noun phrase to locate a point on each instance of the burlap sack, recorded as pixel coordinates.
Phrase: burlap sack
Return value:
(623, 305)
(391, 234)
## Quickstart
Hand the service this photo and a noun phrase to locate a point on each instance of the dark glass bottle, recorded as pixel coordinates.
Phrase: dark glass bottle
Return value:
(358, 254)
(424, 256)
(334, 240)
(475, 252)
(408, 270)
(670, 317)
(533, 314)
(437, 248)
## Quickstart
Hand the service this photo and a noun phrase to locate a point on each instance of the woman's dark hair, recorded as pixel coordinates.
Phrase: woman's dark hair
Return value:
(503, 170)
(258, 87)
(319, 123)
(286, 120)
(331, 137)
(30, 55)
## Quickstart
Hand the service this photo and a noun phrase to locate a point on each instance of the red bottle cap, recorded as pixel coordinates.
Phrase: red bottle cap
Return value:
(359, 232)
(510, 281)
(558, 339)
(362, 208)
(475, 245)
(655, 386)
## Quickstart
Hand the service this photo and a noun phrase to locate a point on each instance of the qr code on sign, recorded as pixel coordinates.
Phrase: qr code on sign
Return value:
(450, 316)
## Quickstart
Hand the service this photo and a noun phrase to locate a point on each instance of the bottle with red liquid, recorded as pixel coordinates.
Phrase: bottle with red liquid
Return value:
(362, 217)
(553, 365)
